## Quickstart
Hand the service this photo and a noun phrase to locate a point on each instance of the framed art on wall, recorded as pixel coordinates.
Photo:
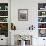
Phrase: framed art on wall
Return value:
(22, 14)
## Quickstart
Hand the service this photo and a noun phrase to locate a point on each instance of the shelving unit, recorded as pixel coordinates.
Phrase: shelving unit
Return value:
(42, 19)
(4, 19)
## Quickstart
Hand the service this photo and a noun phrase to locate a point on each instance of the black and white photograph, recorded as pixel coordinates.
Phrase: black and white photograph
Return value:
(23, 14)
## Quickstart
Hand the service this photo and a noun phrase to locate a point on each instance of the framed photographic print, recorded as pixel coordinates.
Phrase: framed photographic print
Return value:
(22, 14)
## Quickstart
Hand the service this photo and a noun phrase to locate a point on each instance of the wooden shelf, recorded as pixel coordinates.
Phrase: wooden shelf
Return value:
(41, 10)
(42, 16)
(41, 28)
(3, 16)
(41, 22)
(3, 22)
(3, 10)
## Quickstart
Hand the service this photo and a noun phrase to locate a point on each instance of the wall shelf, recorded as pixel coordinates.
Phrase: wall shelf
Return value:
(3, 10)
(42, 16)
(3, 22)
(3, 16)
(41, 22)
(41, 10)
(41, 28)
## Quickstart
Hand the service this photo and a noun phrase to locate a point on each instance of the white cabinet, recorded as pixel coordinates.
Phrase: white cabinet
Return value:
(3, 40)
(41, 41)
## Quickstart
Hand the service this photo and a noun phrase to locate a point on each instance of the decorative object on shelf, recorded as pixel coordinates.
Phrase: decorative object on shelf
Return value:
(31, 27)
(4, 29)
(41, 6)
(0, 7)
(4, 26)
(45, 7)
(42, 32)
(3, 13)
(43, 13)
(23, 14)
(3, 19)
(13, 27)
(41, 19)
(6, 7)
(40, 25)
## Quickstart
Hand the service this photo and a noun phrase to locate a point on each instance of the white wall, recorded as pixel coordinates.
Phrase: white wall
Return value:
(32, 13)
(32, 6)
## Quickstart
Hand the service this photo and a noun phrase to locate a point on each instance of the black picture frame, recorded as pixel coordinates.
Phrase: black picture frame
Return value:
(22, 14)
